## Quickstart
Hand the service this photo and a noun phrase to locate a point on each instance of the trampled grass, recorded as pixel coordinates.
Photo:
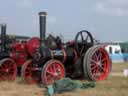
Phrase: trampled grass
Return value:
(119, 67)
(113, 86)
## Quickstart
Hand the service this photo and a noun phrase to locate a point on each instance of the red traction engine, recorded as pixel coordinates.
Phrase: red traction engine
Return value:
(53, 60)
(13, 54)
(8, 68)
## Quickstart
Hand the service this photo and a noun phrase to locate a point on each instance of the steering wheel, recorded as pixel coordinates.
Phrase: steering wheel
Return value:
(83, 41)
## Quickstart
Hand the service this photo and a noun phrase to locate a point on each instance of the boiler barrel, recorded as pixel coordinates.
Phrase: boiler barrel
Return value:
(64, 55)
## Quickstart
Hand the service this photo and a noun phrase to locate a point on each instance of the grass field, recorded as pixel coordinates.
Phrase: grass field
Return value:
(113, 86)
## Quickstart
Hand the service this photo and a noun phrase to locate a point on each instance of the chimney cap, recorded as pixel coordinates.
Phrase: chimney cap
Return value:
(43, 13)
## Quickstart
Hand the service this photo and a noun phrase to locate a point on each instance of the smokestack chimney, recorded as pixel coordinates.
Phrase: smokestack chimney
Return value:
(42, 21)
(3, 36)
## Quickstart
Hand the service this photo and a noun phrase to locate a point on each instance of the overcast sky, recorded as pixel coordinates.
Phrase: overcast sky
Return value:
(107, 20)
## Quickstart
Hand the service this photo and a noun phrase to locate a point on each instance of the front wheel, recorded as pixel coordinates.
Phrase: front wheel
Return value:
(30, 74)
(52, 71)
(8, 69)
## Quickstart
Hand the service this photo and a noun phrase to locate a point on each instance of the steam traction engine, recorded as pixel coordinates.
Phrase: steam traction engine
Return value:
(8, 68)
(53, 60)
(13, 54)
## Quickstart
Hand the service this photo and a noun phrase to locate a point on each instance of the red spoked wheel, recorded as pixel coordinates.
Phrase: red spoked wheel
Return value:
(31, 74)
(8, 69)
(32, 44)
(96, 64)
(52, 71)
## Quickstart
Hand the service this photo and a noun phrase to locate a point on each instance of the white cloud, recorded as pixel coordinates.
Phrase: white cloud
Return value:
(112, 7)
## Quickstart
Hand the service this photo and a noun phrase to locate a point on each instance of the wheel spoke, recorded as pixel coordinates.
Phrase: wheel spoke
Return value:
(82, 49)
(94, 67)
(97, 69)
(86, 38)
(96, 57)
(94, 62)
(52, 71)
(103, 69)
(81, 36)
(99, 56)
(54, 68)
(104, 59)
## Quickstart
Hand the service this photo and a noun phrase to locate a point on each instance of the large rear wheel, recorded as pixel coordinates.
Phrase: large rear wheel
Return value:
(96, 64)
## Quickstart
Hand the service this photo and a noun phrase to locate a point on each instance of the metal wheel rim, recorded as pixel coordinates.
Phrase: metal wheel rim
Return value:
(53, 71)
(100, 64)
(29, 73)
(8, 70)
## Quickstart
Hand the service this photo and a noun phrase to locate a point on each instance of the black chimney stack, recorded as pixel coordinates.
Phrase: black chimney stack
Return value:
(3, 36)
(42, 21)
